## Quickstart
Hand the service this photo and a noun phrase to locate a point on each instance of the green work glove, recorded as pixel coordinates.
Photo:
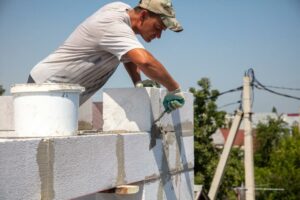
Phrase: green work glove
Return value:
(173, 100)
(147, 83)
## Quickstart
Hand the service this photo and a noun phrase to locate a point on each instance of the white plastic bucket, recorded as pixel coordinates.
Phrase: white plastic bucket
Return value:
(42, 110)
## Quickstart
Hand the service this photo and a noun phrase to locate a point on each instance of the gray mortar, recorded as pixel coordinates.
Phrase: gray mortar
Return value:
(121, 160)
(45, 161)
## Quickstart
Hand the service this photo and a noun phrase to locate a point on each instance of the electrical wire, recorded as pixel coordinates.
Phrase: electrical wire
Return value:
(230, 104)
(282, 88)
(254, 84)
(258, 85)
(222, 93)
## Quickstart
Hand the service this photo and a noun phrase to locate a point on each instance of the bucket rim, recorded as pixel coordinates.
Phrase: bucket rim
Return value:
(46, 87)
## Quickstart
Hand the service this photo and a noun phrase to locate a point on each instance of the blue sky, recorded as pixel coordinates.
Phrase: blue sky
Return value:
(221, 40)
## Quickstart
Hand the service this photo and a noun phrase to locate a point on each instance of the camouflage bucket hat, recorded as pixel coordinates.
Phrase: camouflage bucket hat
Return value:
(165, 9)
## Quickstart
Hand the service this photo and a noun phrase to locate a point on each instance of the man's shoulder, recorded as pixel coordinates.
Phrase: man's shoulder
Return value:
(116, 5)
(115, 11)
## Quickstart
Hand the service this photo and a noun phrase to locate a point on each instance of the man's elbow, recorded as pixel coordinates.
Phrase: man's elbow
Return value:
(140, 57)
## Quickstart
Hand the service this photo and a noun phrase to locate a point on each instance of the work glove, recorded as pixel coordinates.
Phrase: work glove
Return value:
(147, 83)
(173, 100)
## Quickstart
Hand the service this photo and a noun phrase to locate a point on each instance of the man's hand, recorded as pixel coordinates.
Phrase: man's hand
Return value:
(173, 100)
(147, 83)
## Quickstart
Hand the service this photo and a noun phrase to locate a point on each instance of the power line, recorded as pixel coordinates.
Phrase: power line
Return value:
(282, 88)
(228, 91)
(259, 85)
(229, 104)
(232, 90)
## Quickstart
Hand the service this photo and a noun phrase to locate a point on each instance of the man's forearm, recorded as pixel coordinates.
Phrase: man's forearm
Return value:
(152, 68)
(157, 72)
(133, 71)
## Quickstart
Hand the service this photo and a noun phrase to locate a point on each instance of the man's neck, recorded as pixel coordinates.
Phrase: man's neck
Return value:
(133, 16)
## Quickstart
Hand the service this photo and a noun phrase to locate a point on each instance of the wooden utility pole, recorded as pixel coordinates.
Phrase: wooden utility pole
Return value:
(225, 155)
(248, 141)
(248, 144)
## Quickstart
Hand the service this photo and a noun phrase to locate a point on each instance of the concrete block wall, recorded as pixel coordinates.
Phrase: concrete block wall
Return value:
(134, 109)
(97, 116)
(176, 187)
(85, 116)
(6, 113)
(19, 171)
(77, 166)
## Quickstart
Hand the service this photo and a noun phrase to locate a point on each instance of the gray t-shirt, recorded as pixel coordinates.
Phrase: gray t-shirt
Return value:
(92, 52)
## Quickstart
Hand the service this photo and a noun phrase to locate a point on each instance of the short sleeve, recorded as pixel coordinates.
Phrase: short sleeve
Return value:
(118, 39)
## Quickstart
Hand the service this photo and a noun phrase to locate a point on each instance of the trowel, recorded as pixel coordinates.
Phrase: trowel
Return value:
(156, 130)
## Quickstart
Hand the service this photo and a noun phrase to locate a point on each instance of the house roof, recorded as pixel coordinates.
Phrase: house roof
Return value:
(293, 114)
(239, 138)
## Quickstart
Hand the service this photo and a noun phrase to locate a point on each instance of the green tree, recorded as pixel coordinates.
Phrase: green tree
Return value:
(274, 110)
(267, 138)
(1, 90)
(207, 119)
(281, 169)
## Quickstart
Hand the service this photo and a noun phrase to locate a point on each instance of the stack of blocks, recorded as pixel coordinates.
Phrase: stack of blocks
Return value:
(78, 167)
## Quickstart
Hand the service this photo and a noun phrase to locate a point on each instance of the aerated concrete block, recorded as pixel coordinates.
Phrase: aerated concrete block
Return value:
(181, 119)
(20, 172)
(130, 109)
(69, 167)
(96, 163)
(6, 113)
(135, 109)
(166, 157)
(85, 164)
(176, 187)
(98, 116)
(85, 117)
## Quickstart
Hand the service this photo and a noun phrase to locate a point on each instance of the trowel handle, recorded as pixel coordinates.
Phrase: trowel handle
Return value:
(160, 116)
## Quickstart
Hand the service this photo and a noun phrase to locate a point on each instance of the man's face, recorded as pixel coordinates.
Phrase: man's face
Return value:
(151, 27)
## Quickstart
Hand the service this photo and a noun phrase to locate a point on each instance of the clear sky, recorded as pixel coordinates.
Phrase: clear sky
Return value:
(221, 40)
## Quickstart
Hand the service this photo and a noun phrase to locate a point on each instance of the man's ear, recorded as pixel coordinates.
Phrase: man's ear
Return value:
(144, 14)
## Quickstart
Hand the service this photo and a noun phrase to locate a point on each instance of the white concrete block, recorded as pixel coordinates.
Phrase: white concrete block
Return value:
(181, 119)
(140, 162)
(96, 163)
(179, 152)
(179, 186)
(98, 116)
(85, 117)
(90, 116)
(85, 164)
(5, 134)
(135, 109)
(19, 169)
(6, 113)
(75, 166)
(165, 158)
(130, 109)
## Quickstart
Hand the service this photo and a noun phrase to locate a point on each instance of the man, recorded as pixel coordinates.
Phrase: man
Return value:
(93, 51)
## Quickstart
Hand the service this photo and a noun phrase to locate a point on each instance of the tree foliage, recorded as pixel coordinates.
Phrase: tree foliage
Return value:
(267, 138)
(1, 90)
(207, 119)
(282, 166)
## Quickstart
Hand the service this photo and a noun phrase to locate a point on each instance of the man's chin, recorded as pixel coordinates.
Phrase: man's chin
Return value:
(148, 40)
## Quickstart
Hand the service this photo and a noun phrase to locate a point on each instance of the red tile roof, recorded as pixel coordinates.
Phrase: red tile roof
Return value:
(293, 114)
(239, 138)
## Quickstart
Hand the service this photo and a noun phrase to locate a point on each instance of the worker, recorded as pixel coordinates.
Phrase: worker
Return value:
(94, 50)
